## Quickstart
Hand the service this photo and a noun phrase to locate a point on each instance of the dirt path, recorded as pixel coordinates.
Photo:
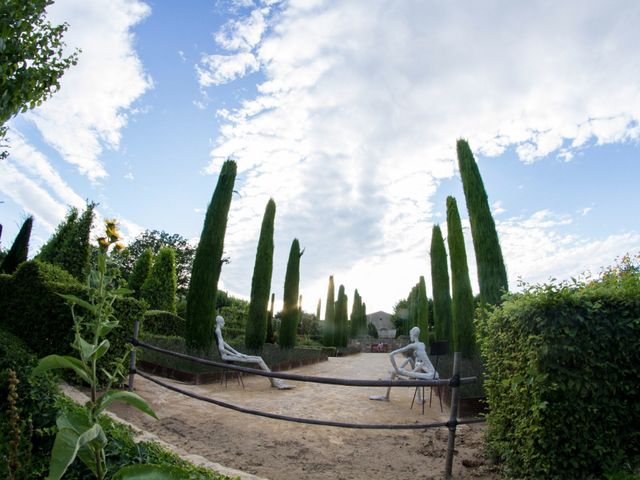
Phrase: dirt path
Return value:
(290, 451)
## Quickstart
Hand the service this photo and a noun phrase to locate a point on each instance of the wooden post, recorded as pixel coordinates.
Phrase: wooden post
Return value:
(132, 360)
(453, 416)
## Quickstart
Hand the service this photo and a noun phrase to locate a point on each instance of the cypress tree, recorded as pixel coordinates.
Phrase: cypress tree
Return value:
(329, 330)
(290, 315)
(462, 297)
(140, 272)
(440, 284)
(75, 252)
(492, 274)
(207, 263)
(50, 252)
(365, 324)
(341, 319)
(270, 332)
(354, 327)
(19, 251)
(423, 310)
(256, 326)
(159, 289)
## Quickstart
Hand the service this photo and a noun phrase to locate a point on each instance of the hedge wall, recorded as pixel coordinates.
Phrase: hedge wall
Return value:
(31, 309)
(563, 382)
(163, 323)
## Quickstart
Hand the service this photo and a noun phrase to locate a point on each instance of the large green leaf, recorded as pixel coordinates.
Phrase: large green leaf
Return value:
(85, 348)
(53, 362)
(73, 300)
(151, 472)
(101, 349)
(131, 398)
(63, 454)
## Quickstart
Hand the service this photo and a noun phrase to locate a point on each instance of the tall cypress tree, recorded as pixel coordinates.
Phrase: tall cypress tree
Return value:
(341, 319)
(140, 272)
(51, 250)
(462, 301)
(19, 251)
(75, 252)
(159, 289)
(354, 326)
(290, 315)
(270, 331)
(492, 274)
(329, 330)
(440, 284)
(423, 310)
(256, 326)
(365, 325)
(207, 263)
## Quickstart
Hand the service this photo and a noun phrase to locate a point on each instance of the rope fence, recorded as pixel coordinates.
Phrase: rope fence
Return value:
(454, 382)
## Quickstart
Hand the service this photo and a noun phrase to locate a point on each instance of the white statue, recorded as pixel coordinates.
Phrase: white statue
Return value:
(421, 366)
(228, 353)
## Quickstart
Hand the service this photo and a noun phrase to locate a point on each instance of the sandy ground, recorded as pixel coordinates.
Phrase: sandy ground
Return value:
(276, 450)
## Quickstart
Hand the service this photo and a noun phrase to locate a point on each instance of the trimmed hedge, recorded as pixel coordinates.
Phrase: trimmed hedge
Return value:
(563, 383)
(31, 308)
(163, 323)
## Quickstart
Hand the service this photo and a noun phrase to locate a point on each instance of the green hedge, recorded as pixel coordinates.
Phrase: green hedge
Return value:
(35, 403)
(31, 308)
(163, 323)
(562, 378)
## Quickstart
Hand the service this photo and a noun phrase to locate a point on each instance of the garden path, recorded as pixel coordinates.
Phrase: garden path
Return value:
(289, 451)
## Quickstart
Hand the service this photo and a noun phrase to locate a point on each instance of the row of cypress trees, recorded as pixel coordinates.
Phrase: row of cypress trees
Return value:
(338, 326)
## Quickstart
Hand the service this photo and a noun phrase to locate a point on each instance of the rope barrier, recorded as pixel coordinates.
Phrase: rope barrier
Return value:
(456, 381)
(310, 421)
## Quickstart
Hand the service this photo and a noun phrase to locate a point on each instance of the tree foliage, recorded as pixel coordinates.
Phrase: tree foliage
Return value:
(31, 56)
(290, 315)
(155, 240)
(19, 251)
(207, 263)
(462, 296)
(440, 287)
(329, 329)
(492, 274)
(256, 328)
(140, 272)
(70, 246)
(159, 289)
(358, 319)
(422, 306)
(342, 317)
(271, 334)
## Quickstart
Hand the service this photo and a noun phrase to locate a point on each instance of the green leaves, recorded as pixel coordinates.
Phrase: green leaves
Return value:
(127, 397)
(53, 362)
(151, 472)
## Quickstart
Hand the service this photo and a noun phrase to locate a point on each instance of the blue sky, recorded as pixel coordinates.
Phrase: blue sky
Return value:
(346, 113)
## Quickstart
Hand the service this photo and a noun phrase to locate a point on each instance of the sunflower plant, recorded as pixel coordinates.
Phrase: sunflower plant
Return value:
(79, 434)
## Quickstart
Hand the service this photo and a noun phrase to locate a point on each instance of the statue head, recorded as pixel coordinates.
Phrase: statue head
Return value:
(220, 321)
(414, 334)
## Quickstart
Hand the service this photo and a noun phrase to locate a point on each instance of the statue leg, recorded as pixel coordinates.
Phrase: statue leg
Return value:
(385, 398)
(275, 382)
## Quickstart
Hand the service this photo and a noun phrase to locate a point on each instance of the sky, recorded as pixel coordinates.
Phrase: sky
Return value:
(346, 113)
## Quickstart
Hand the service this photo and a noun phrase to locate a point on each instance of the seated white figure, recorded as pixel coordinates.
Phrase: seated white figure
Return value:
(229, 354)
(421, 366)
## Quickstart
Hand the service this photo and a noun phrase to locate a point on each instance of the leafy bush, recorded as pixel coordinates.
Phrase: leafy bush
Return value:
(32, 309)
(35, 408)
(163, 323)
(562, 377)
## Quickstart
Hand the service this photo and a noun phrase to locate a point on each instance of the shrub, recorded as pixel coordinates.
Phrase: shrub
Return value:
(562, 378)
(31, 309)
(159, 289)
(35, 408)
(140, 272)
(163, 323)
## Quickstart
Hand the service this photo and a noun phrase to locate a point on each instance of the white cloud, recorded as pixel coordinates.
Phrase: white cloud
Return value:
(355, 124)
(219, 69)
(89, 112)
